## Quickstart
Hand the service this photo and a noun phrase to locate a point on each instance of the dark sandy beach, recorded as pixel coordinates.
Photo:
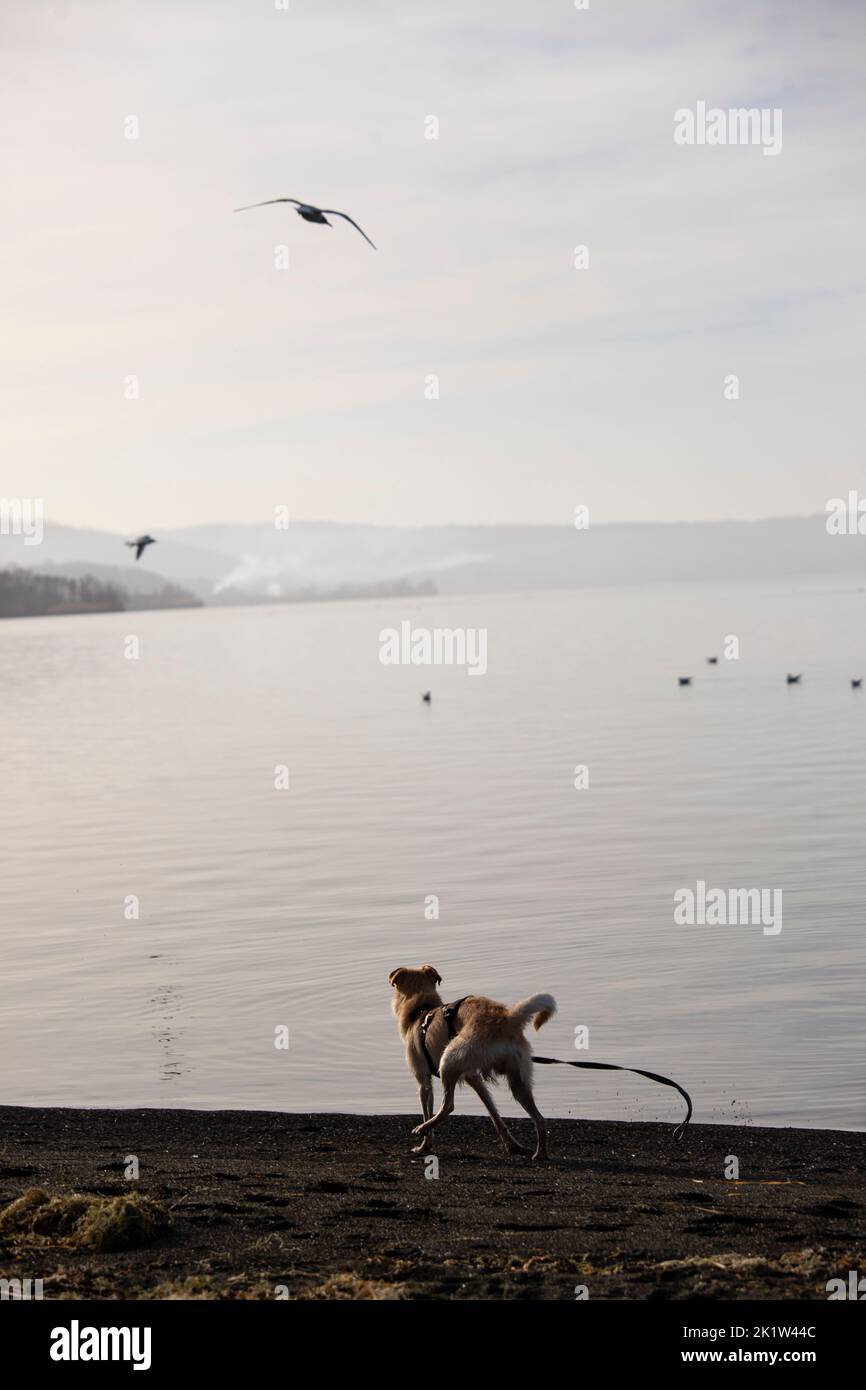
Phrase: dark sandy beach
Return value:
(267, 1205)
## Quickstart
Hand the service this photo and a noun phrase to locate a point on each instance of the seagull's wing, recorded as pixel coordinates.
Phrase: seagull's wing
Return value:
(268, 202)
(139, 548)
(335, 213)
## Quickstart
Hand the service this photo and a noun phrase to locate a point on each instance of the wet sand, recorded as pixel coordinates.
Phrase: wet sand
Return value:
(267, 1205)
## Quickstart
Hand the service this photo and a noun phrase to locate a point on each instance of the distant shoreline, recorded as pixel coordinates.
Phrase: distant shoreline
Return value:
(54, 594)
(847, 584)
(330, 1205)
(318, 559)
(48, 594)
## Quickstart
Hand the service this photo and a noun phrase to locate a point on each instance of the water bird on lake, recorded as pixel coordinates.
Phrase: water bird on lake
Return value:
(793, 680)
(141, 544)
(309, 213)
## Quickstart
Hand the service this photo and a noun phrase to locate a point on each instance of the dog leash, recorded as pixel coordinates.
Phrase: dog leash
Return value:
(449, 1015)
(610, 1066)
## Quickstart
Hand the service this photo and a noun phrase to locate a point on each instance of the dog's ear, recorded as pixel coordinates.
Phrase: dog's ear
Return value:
(394, 977)
(431, 970)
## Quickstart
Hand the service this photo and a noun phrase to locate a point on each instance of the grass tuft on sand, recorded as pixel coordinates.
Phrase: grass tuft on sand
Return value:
(77, 1220)
(352, 1286)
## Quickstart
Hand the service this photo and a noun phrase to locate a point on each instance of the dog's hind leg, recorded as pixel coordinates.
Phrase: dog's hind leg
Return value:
(510, 1143)
(521, 1089)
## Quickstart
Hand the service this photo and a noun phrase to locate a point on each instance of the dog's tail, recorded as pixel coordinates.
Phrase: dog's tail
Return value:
(538, 1007)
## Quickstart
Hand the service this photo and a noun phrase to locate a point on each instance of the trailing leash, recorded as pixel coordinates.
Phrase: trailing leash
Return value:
(610, 1066)
(449, 1014)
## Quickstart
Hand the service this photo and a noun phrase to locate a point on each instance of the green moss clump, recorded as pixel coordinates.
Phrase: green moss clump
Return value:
(94, 1223)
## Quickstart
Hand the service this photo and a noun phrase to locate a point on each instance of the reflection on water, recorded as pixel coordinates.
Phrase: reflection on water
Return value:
(261, 907)
(164, 1007)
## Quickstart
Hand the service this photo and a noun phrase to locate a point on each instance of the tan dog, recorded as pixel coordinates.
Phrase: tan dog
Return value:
(480, 1041)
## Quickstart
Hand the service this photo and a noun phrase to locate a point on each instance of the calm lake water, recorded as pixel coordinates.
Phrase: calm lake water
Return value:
(262, 908)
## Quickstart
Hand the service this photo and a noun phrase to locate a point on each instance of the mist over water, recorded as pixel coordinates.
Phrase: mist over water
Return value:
(261, 908)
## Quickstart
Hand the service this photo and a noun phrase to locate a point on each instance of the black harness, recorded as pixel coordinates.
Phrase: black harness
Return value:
(449, 1013)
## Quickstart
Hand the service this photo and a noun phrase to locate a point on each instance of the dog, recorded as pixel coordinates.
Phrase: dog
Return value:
(480, 1041)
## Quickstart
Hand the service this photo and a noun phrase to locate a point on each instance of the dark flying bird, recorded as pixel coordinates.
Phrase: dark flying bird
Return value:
(684, 680)
(793, 680)
(856, 684)
(309, 213)
(712, 661)
(427, 697)
(140, 545)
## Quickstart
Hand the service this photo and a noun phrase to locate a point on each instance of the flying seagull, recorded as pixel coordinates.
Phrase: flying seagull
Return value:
(856, 683)
(684, 680)
(141, 544)
(427, 697)
(309, 213)
(712, 661)
(793, 680)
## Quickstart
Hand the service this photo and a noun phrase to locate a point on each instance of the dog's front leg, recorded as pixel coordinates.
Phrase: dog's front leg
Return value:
(425, 1090)
(442, 1114)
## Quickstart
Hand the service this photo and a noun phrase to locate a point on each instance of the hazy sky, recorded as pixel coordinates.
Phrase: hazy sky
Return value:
(306, 386)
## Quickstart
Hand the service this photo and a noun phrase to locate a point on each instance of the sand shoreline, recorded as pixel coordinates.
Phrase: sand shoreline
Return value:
(269, 1204)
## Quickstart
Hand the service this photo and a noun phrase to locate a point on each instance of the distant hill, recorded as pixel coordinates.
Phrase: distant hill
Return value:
(27, 594)
(138, 584)
(250, 563)
(471, 559)
(39, 592)
(64, 545)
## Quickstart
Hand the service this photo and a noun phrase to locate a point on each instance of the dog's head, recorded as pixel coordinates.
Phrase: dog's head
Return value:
(412, 980)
